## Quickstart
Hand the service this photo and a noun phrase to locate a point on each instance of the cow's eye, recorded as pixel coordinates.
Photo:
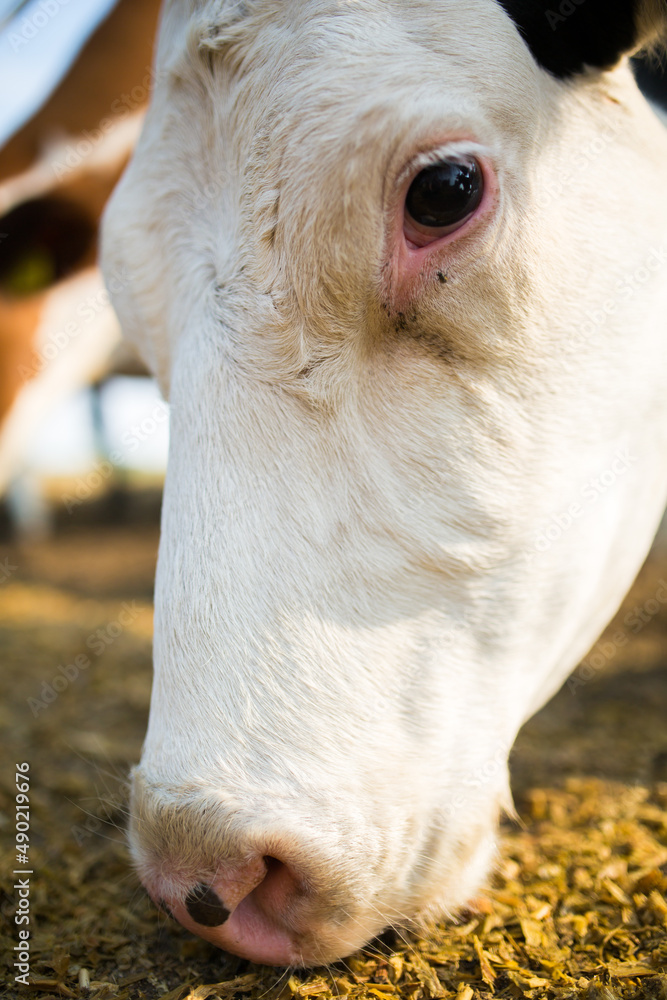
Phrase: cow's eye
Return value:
(441, 198)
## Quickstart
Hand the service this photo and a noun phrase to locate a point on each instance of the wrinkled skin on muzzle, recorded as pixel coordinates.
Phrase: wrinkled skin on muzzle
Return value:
(381, 550)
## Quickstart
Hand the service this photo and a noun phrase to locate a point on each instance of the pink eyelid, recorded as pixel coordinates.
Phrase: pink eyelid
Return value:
(458, 231)
(411, 266)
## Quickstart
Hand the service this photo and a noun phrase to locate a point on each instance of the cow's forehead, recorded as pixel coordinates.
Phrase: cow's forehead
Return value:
(354, 45)
(282, 131)
(320, 73)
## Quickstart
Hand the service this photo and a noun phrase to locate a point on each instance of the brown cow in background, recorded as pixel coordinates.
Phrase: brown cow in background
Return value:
(57, 331)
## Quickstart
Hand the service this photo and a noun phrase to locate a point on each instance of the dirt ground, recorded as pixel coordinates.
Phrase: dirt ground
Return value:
(576, 909)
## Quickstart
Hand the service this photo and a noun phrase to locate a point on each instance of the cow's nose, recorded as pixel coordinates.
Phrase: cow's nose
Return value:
(243, 910)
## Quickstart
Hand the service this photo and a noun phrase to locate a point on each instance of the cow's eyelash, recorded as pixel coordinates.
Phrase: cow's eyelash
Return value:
(447, 151)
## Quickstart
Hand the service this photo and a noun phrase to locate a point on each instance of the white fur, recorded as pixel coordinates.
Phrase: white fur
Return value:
(353, 618)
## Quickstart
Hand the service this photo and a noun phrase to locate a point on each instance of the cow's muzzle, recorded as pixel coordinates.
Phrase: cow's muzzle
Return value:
(249, 890)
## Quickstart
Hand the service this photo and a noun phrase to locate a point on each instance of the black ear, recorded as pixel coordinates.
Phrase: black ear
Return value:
(566, 36)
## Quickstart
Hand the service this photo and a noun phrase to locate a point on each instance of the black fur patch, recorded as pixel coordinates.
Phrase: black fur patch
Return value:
(565, 36)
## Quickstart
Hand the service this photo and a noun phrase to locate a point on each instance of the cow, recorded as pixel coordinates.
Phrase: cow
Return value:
(400, 270)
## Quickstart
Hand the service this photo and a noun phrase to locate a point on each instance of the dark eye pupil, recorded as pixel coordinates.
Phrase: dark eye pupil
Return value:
(445, 193)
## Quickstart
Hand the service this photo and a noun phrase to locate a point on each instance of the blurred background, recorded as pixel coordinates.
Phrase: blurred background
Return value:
(77, 410)
(83, 444)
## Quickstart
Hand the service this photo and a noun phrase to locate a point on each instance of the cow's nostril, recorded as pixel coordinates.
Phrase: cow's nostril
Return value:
(204, 906)
(252, 907)
(277, 885)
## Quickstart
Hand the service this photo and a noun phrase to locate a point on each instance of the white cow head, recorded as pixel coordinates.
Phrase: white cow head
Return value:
(403, 279)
